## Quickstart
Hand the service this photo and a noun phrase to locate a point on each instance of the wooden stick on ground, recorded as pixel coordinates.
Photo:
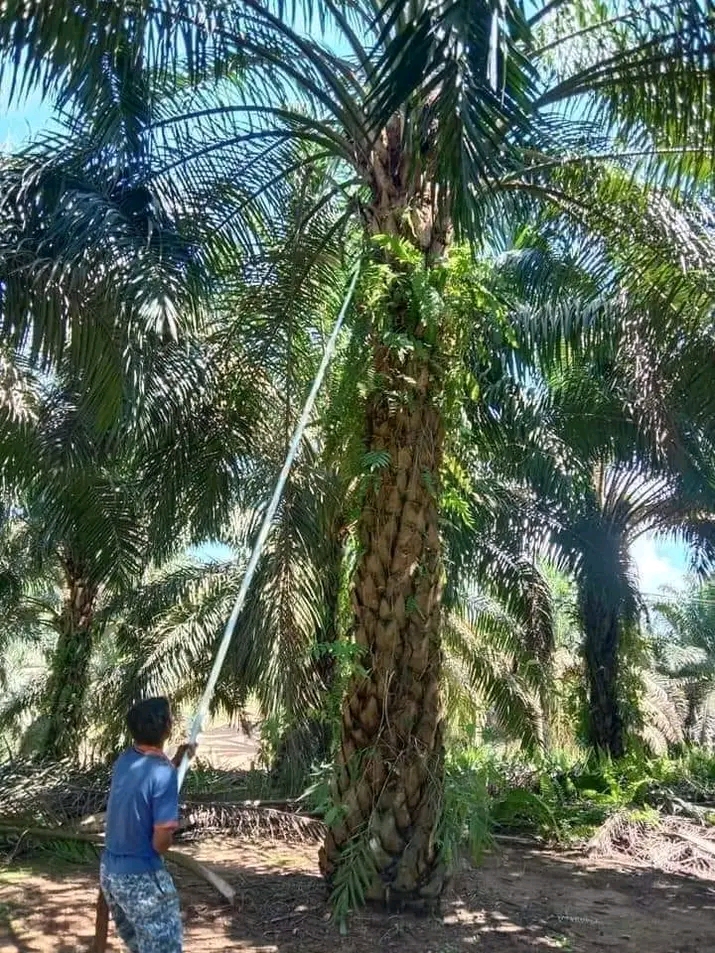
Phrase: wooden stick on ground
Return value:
(210, 876)
(101, 925)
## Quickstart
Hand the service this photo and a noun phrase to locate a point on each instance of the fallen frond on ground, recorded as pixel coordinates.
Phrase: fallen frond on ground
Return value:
(674, 845)
(59, 796)
(51, 794)
(249, 821)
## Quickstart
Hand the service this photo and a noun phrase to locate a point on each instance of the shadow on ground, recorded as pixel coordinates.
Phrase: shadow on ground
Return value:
(46, 911)
(517, 901)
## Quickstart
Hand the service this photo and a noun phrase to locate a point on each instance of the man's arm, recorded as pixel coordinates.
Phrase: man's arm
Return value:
(165, 806)
(162, 839)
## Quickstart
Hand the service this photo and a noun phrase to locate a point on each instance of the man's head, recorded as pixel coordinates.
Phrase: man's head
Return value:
(149, 721)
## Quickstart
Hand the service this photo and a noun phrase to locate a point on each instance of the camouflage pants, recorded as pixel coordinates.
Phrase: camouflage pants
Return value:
(145, 910)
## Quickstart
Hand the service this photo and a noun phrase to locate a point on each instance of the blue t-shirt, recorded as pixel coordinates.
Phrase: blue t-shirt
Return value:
(144, 794)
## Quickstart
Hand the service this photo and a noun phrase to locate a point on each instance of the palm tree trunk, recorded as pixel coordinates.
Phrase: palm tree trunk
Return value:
(389, 775)
(69, 677)
(601, 651)
(695, 690)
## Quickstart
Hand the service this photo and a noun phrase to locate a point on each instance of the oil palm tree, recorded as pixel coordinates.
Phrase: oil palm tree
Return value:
(682, 650)
(604, 414)
(114, 447)
(177, 444)
(435, 120)
(74, 517)
(91, 509)
(290, 638)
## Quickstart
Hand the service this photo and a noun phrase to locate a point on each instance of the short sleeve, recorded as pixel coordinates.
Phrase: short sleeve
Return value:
(165, 798)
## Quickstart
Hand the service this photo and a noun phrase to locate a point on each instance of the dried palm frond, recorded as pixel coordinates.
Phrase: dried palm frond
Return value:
(59, 796)
(670, 844)
(249, 822)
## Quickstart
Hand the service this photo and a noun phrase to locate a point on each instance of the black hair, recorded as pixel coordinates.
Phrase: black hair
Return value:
(149, 721)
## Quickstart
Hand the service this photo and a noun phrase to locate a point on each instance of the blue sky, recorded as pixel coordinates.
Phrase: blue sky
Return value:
(22, 120)
(659, 563)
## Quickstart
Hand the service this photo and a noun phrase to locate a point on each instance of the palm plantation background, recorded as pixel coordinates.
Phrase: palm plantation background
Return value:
(523, 388)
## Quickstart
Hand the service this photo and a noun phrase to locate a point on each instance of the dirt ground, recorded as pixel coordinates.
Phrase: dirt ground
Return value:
(229, 747)
(517, 900)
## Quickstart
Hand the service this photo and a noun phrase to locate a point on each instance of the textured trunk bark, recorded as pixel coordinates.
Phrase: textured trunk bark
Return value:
(69, 676)
(540, 651)
(601, 651)
(390, 764)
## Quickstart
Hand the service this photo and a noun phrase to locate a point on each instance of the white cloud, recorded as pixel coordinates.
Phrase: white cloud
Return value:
(654, 569)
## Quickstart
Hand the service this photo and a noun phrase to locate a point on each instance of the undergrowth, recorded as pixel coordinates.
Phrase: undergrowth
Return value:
(561, 799)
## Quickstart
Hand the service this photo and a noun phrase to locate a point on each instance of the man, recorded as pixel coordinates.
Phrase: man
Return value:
(142, 815)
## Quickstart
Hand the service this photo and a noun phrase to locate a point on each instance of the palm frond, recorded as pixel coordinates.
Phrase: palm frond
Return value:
(90, 264)
(643, 72)
(481, 680)
(663, 712)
